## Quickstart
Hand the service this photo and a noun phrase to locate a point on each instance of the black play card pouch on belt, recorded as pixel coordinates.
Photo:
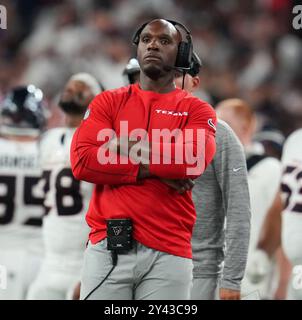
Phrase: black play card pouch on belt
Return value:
(119, 240)
(119, 235)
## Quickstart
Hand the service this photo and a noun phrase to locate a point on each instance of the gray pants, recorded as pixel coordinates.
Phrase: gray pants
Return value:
(141, 274)
(205, 289)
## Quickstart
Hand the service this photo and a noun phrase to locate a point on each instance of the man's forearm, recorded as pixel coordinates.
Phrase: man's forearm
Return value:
(166, 166)
(124, 147)
(237, 232)
(270, 236)
(86, 164)
(235, 260)
(143, 172)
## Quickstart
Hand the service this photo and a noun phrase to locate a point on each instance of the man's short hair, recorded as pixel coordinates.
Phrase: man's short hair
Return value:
(240, 107)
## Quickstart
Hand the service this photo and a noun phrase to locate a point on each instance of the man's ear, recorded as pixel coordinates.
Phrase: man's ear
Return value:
(254, 124)
(196, 82)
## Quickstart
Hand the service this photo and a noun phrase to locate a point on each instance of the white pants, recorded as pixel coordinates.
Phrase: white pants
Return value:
(294, 288)
(56, 279)
(21, 259)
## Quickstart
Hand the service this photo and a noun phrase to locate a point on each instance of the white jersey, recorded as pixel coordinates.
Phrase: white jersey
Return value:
(64, 228)
(264, 181)
(21, 193)
(21, 211)
(292, 197)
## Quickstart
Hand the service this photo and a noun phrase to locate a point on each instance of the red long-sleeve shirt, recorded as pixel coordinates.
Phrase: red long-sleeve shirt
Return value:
(162, 218)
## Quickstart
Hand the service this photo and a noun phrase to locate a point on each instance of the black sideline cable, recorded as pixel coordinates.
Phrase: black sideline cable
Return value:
(114, 263)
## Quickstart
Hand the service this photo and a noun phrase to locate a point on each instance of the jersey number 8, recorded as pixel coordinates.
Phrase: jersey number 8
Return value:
(69, 200)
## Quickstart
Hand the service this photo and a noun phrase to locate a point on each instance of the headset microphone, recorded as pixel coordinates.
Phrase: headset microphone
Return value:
(169, 68)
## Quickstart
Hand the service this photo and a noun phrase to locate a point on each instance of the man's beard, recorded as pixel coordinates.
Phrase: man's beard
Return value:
(153, 72)
(72, 107)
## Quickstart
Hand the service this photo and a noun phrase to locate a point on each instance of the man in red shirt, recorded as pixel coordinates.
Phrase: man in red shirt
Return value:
(140, 180)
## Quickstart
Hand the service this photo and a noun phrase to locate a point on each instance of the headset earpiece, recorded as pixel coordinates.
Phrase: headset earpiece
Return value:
(135, 38)
(185, 49)
(184, 55)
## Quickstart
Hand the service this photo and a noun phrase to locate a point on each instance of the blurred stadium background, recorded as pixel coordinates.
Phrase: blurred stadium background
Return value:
(249, 49)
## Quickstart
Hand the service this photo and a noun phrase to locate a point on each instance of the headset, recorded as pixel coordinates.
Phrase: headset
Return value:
(185, 48)
(196, 64)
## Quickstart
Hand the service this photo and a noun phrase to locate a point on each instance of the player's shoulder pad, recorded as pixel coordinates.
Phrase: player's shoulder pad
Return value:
(271, 164)
(51, 137)
(4, 141)
(53, 133)
(294, 138)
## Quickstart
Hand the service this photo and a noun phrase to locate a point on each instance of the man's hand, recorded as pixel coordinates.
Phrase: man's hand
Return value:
(143, 172)
(228, 294)
(123, 146)
(180, 185)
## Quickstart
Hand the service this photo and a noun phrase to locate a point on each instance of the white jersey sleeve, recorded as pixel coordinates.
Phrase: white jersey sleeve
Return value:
(292, 150)
(292, 197)
(264, 181)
